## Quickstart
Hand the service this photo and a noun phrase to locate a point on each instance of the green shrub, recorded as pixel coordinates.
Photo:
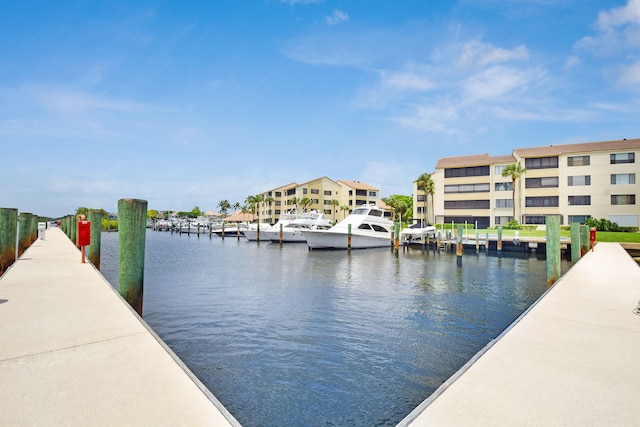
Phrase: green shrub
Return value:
(602, 224)
(513, 225)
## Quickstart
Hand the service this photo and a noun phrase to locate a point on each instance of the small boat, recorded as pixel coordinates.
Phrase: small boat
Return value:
(369, 229)
(251, 233)
(284, 219)
(292, 232)
(231, 230)
(417, 232)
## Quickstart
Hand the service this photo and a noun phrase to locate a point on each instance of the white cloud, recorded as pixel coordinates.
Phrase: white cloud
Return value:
(630, 75)
(618, 16)
(478, 54)
(337, 17)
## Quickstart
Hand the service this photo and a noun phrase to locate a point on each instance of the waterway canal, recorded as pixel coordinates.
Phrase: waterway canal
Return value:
(286, 336)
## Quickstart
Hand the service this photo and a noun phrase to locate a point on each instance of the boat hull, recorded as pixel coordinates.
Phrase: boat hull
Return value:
(338, 240)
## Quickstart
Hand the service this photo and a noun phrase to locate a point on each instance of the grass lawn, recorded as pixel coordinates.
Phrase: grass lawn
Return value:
(602, 236)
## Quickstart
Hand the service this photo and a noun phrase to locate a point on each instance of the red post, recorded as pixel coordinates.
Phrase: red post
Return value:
(84, 236)
(592, 237)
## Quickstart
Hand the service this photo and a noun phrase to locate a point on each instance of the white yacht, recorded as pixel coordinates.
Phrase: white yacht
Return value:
(415, 233)
(292, 232)
(251, 233)
(369, 229)
(284, 219)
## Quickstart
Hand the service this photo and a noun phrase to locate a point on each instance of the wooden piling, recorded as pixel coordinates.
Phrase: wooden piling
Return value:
(499, 244)
(459, 245)
(397, 238)
(349, 236)
(575, 241)
(95, 218)
(477, 241)
(584, 240)
(132, 218)
(553, 249)
(24, 219)
(8, 231)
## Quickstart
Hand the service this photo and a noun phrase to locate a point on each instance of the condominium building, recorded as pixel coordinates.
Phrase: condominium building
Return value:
(336, 199)
(572, 181)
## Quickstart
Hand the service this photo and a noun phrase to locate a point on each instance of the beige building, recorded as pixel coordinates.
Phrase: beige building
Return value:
(336, 199)
(573, 181)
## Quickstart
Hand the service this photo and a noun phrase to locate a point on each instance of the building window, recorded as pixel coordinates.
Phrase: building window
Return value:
(623, 199)
(277, 211)
(542, 202)
(541, 163)
(504, 186)
(278, 203)
(291, 192)
(327, 192)
(470, 171)
(304, 191)
(315, 191)
(622, 158)
(579, 180)
(278, 194)
(504, 203)
(547, 182)
(578, 161)
(373, 193)
(361, 193)
(466, 204)
(579, 200)
(421, 197)
(497, 170)
(534, 219)
(578, 218)
(623, 178)
(503, 220)
(467, 188)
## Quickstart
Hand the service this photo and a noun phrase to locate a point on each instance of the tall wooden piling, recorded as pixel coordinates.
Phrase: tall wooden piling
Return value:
(24, 219)
(575, 241)
(349, 236)
(132, 219)
(8, 230)
(499, 244)
(95, 218)
(584, 240)
(553, 249)
(459, 246)
(477, 240)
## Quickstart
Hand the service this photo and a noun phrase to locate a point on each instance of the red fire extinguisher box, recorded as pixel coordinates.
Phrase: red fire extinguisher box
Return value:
(84, 233)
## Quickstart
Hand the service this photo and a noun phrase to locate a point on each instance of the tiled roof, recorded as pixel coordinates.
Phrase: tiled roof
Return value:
(555, 150)
(357, 185)
(474, 160)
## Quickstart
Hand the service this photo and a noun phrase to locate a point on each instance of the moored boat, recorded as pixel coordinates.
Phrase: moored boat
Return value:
(369, 229)
(292, 232)
(417, 232)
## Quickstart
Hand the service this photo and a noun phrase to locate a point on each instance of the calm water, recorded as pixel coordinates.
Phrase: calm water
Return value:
(286, 336)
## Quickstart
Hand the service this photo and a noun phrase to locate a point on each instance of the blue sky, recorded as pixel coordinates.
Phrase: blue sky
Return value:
(185, 104)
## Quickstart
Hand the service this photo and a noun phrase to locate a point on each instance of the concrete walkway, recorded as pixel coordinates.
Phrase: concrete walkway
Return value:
(73, 353)
(572, 360)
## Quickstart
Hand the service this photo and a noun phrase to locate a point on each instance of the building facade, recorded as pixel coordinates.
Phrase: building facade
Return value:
(572, 181)
(336, 199)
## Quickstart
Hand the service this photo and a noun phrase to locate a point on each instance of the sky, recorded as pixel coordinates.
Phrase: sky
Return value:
(185, 104)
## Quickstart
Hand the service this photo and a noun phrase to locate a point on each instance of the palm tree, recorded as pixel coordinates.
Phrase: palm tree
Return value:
(269, 200)
(344, 208)
(224, 206)
(293, 201)
(515, 171)
(425, 183)
(334, 205)
(305, 202)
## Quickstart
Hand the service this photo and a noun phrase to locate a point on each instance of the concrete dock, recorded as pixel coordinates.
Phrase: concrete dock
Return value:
(571, 359)
(74, 353)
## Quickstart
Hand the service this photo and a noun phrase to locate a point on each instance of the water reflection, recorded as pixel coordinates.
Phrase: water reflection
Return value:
(287, 336)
